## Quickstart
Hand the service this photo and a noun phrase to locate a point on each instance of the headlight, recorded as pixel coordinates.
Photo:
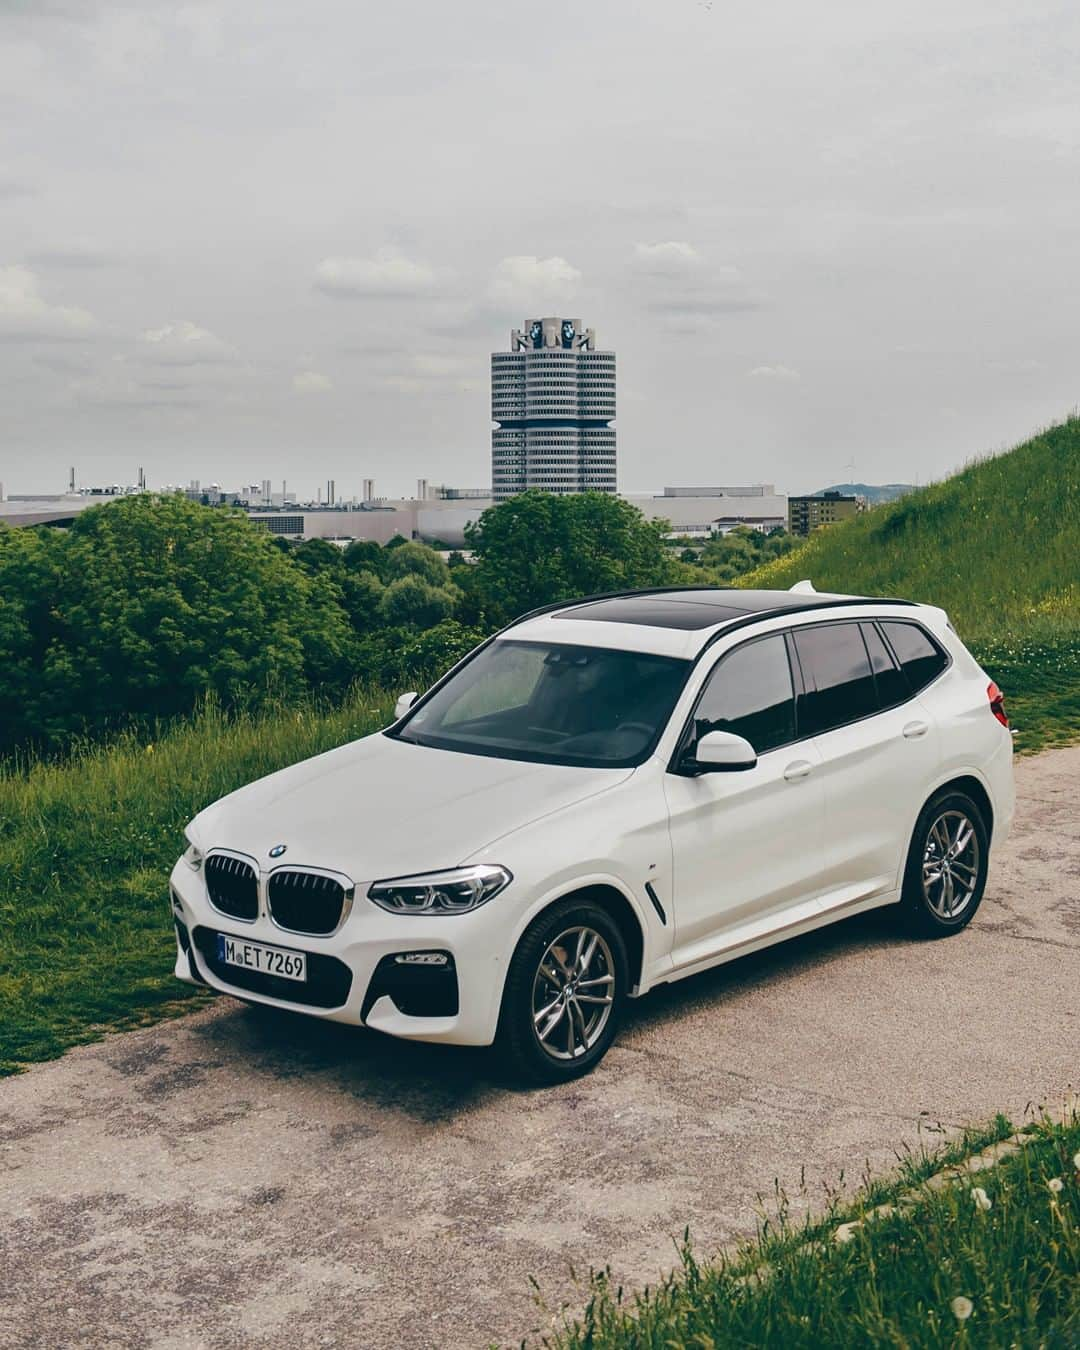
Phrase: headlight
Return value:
(453, 892)
(193, 853)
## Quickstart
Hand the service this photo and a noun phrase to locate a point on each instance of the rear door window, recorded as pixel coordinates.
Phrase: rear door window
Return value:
(892, 685)
(837, 675)
(921, 659)
(750, 694)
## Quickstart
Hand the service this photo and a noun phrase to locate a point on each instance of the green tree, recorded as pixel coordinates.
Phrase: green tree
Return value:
(415, 559)
(320, 555)
(361, 593)
(364, 555)
(145, 605)
(538, 548)
(412, 602)
(29, 586)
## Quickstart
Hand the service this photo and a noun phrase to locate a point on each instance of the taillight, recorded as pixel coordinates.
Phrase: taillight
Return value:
(997, 703)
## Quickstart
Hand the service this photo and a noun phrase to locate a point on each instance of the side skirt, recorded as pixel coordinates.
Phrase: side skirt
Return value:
(752, 937)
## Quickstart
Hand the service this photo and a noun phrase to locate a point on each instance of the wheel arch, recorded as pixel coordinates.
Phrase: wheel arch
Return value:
(610, 898)
(619, 906)
(975, 788)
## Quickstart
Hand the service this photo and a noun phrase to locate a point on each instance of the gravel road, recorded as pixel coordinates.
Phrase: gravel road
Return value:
(243, 1179)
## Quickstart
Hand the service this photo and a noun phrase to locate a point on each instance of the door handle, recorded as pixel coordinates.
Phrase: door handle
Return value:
(798, 769)
(915, 729)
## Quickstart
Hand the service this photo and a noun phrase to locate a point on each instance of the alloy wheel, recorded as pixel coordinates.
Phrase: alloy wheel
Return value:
(950, 868)
(573, 993)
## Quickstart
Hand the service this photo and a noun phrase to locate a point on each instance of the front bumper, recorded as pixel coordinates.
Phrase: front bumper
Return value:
(352, 970)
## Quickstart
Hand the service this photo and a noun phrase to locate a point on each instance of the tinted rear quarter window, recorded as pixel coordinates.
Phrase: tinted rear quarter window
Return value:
(837, 675)
(750, 694)
(921, 659)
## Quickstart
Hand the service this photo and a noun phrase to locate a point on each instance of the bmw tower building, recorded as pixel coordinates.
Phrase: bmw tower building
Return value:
(553, 402)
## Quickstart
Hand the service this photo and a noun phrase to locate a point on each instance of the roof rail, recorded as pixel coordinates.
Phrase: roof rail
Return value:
(818, 602)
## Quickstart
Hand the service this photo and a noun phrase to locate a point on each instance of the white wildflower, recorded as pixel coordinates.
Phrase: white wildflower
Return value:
(981, 1199)
(962, 1308)
(1056, 1185)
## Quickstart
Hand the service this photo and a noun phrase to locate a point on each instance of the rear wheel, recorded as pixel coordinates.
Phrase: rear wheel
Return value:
(946, 867)
(564, 992)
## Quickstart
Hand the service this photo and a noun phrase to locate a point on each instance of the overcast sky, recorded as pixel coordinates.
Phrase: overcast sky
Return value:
(244, 240)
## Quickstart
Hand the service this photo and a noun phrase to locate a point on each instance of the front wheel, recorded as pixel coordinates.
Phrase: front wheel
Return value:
(564, 992)
(946, 867)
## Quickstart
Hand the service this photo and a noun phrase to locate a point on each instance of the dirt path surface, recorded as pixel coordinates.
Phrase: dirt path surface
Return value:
(237, 1179)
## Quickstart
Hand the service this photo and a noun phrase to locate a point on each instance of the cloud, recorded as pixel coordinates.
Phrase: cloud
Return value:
(13, 188)
(63, 362)
(708, 305)
(76, 256)
(430, 373)
(671, 259)
(531, 285)
(183, 343)
(778, 372)
(25, 313)
(119, 387)
(389, 273)
(678, 283)
(311, 382)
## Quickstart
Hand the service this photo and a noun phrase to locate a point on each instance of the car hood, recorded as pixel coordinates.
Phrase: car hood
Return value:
(381, 807)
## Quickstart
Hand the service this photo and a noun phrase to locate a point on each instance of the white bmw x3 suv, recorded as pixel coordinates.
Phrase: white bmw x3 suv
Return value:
(608, 795)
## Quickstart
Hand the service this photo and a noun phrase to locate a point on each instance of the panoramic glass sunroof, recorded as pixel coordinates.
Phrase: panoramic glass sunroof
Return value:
(654, 611)
(683, 609)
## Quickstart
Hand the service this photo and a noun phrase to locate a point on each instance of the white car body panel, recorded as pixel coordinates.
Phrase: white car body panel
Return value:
(734, 860)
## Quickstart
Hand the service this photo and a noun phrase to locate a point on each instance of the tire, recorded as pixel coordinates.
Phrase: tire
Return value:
(937, 902)
(581, 1026)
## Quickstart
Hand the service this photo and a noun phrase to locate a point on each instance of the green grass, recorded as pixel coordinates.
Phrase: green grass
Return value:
(86, 846)
(998, 547)
(893, 1284)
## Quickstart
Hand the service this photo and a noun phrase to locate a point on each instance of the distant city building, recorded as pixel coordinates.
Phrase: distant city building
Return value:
(703, 511)
(436, 512)
(553, 399)
(748, 490)
(806, 514)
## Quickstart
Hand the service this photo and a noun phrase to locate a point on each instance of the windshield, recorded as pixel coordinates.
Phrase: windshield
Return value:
(553, 704)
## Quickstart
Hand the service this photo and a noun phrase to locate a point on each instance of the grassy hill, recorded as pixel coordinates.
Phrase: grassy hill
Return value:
(998, 547)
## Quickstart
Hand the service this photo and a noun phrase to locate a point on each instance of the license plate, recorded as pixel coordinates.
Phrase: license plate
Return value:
(258, 957)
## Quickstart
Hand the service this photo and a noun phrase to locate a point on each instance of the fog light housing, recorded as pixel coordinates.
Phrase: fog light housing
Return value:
(419, 984)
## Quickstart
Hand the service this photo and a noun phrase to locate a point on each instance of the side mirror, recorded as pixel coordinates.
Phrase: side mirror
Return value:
(723, 752)
(404, 703)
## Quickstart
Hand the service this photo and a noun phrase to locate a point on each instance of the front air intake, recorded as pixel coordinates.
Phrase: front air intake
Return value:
(306, 902)
(232, 886)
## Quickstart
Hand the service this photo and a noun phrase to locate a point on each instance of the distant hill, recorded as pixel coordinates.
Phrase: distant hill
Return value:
(875, 493)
